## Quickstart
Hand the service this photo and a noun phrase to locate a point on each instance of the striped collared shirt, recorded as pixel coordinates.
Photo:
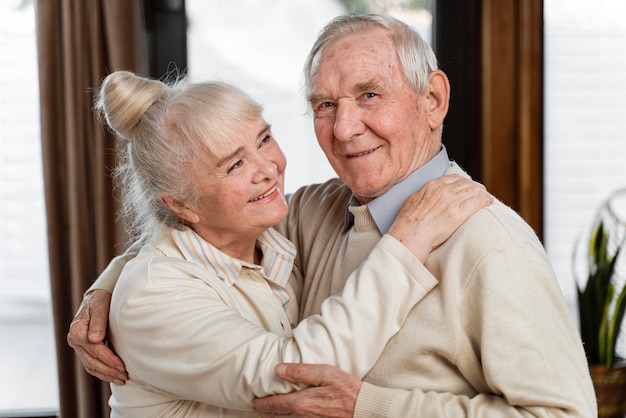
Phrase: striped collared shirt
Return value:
(276, 265)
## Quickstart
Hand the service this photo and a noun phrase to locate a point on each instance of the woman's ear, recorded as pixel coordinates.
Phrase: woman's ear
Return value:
(438, 98)
(180, 209)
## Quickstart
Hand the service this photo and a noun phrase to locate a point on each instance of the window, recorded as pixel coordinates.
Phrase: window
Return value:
(585, 127)
(27, 353)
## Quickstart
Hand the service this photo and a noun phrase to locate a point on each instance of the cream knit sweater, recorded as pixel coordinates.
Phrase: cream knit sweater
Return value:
(494, 339)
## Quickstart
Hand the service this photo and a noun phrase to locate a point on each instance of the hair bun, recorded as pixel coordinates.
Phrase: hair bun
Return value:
(124, 99)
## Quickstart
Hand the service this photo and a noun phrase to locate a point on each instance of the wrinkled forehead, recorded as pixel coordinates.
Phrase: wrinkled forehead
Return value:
(358, 57)
(208, 142)
(233, 134)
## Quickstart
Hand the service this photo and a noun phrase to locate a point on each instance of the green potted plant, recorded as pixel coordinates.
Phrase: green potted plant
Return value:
(602, 304)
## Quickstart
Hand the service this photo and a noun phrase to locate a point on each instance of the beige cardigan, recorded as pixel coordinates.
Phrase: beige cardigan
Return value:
(493, 339)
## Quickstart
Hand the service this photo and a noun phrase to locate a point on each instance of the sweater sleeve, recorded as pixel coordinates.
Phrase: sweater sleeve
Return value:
(532, 358)
(181, 338)
(108, 278)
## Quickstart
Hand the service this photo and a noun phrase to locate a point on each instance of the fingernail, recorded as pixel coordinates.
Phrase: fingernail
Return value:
(280, 369)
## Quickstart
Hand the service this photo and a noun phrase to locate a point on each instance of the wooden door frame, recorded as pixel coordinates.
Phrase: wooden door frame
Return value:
(493, 53)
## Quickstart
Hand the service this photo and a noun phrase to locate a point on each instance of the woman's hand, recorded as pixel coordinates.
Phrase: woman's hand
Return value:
(430, 216)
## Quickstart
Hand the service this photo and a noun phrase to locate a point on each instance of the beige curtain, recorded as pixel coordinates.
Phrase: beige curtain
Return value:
(79, 42)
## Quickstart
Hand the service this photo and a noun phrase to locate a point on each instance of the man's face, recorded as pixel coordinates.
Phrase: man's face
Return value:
(371, 124)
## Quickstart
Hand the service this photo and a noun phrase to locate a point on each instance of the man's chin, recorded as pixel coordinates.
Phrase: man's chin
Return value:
(367, 193)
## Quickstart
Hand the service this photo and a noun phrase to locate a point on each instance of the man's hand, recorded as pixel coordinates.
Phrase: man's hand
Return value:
(332, 393)
(86, 337)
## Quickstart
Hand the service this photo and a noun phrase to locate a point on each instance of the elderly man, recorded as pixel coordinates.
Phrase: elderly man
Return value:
(495, 337)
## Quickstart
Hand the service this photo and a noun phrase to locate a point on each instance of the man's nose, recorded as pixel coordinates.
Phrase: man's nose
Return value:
(348, 121)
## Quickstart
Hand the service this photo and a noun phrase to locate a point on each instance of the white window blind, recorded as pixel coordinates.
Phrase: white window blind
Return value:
(585, 122)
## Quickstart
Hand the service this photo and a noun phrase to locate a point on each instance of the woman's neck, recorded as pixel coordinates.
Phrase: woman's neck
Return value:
(241, 248)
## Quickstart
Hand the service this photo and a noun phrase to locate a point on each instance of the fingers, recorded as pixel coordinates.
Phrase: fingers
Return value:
(97, 359)
(430, 216)
(450, 196)
(331, 393)
(308, 374)
(86, 337)
(98, 302)
(313, 402)
(91, 361)
(271, 406)
(450, 190)
(464, 197)
(474, 197)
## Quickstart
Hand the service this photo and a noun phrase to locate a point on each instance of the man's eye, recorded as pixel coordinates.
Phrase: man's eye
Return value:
(324, 108)
(370, 95)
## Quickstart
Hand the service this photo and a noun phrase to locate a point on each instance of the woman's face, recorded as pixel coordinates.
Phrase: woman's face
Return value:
(241, 189)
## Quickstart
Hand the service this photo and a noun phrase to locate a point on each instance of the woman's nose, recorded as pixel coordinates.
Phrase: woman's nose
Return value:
(266, 169)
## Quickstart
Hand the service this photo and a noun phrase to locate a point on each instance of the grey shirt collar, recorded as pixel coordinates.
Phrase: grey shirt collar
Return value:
(386, 207)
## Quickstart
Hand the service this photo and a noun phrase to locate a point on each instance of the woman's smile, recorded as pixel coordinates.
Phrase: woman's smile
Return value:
(272, 191)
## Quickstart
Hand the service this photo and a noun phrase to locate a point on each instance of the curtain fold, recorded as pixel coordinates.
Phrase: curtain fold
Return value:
(79, 43)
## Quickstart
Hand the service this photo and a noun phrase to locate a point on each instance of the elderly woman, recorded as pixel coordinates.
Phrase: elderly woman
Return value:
(205, 311)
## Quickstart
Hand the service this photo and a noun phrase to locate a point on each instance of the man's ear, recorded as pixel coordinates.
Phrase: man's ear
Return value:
(180, 209)
(438, 98)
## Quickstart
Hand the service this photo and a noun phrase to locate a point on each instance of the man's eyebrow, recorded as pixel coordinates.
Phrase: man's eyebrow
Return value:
(369, 85)
(314, 98)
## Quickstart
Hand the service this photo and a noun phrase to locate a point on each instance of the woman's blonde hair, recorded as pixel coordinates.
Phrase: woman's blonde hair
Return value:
(163, 131)
(417, 58)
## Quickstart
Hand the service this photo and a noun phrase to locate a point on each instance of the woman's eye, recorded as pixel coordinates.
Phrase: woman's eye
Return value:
(235, 166)
(265, 140)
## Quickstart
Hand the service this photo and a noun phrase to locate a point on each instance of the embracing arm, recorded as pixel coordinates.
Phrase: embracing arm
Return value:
(183, 337)
(88, 328)
(533, 363)
(213, 337)
(531, 358)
